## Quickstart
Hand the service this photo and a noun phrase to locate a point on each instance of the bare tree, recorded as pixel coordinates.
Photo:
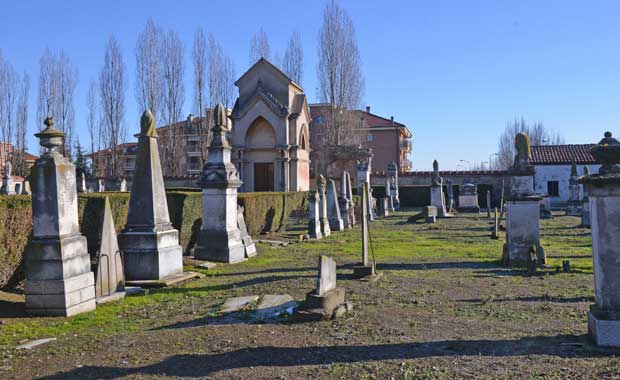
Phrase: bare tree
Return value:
(9, 92)
(21, 127)
(64, 115)
(259, 47)
(112, 97)
(292, 64)
(174, 97)
(341, 81)
(92, 121)
(227, 89)
(199, 57)
(538, 133)
(149, 71)
(48, 87)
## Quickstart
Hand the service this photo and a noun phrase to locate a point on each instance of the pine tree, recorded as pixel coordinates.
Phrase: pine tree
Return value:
(81, 164)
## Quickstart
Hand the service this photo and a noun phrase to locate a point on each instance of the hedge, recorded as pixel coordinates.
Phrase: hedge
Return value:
(264, 212)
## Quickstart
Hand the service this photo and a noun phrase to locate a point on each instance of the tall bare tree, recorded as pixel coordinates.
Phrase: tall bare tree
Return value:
(9, 92)
(92, 122)
(538, 133)
(21, 127)
(341, 82)
(64, 115)
(220, 76)
(149, 72)
(112, 98)
(48, 87)
(227, 87)
(174, 97)
(199, 59)
(259, 47)
(292, 64)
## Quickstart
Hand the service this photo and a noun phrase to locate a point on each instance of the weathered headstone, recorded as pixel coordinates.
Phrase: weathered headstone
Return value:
(545, 207)
(489, 204)
(343, 202)
(585, 204)
(468, 199)
(100, 185)
(495, 233)
(383, 207)
(58, 276)
(7, 180)
(149, 243)
(81, 185)
(392, 171)
(450, 193)
(123, 185)
(109, 278)
(314, 221)
(523, 209)
(349, 191)
(388, 194)
(322, 302)
(363, 176)
(573, 208)
(603, 191)
(333, 211)
(220, 237)
(437, 198)
(250, 247)
(366, 267)
(321, 184)
(428, 214)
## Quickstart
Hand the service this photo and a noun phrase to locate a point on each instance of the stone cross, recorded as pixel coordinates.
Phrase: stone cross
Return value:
(59, 280)
(220, 237)
(149, 243)
(333, 211)
(110, 277)
(327, 275)
(314, 222)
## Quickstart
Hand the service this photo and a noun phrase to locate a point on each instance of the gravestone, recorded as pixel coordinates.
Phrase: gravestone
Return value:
(343, 202)
(388, 195)
(149, 243)
(59, 280)
(109, 277)
(495, 232)
(322, 302)
(545, 207)
(437, 198)
(585, 204)
(18, 188)
(522, 209)
(100, 186)
(573, 208)
(468, 199)
(333, 211)
(250, 247)
(392, 171)
(220, 237)
(349, 191)
(123, 185)
(366, 267)
(8, 187)
(322, 198)
(81, 186)
(314, 221)
(383, 207)
(25, 190)
(489, 204)
(604, 192)
(363, 176)
(450, 193)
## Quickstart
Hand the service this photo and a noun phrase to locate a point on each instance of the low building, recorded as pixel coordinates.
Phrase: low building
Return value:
(553, 167)
(8, 150)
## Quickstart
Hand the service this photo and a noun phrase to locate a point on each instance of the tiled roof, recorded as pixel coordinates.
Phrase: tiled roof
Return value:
(562, 154)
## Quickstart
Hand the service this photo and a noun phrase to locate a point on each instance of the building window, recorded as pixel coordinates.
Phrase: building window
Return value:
(553, 188)
(369, 137)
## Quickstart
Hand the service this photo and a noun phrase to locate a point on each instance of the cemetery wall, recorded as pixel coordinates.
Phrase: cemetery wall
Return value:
(264, 212)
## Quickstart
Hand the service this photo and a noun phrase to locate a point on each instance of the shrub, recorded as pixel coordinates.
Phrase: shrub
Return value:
(15, 228)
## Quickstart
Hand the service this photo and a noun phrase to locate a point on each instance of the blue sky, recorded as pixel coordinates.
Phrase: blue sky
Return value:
(454, 71)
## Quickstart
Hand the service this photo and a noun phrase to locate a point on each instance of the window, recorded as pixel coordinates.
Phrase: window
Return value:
(553, 188)
(369, 137)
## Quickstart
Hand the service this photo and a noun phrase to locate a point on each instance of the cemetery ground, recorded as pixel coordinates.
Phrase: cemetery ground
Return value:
(445, 308)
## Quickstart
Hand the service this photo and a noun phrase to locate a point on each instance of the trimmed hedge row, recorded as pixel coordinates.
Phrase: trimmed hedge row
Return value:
(264, 212)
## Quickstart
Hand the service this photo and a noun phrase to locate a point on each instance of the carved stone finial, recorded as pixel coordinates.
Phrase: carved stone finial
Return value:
(147, 124)
(49, 121)
(220, 116)
(523, 157)
(436, 167)
(586, 171)
(50, 137)
(607, 153)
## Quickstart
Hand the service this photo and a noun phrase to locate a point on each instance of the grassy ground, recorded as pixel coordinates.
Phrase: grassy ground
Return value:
(445, 309)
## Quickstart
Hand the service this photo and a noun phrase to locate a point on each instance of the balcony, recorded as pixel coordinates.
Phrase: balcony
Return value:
(406, 165)
(406, 146)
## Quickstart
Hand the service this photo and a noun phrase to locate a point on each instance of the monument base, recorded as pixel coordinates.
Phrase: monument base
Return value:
(328, 302)
(67, 297)
(573, 209)
(360, 271)
(469, 210)
(250, 247)
(151, 255)
(336, 225)
(222, 246)
(604, 332)
(438, 201)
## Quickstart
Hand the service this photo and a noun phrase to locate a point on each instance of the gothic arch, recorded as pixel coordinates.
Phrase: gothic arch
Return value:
(260, 135)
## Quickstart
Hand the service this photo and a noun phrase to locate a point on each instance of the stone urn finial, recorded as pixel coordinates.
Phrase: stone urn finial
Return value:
(220, 116)
(607, 153)
(147, 124)
(50, 137)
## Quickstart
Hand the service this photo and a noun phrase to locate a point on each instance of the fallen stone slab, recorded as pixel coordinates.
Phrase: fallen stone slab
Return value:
(168, 281)
(274, 242)
(34, 343)
(274, 305)
(133, 290)
(191, 260)
(237, 303)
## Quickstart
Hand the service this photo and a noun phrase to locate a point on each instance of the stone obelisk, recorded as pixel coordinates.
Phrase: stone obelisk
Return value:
(149, 242)
(59, 280)
(219, 238)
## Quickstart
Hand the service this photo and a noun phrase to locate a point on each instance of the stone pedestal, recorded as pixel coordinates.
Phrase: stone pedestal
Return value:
(59, 281)
(522, 230)
(468, 204)
(383, 207)
(314, 222)
(333, 210)
(219, 238)
(437, 200)
(586, 220)
(149, 243)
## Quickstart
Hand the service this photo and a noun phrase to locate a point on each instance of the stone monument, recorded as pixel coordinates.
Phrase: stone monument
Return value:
(450, 191)
(7, 180)
(383, 207)
(585, 206)
(388, 194)
(573, 207)
(343, 201)
(314, 221)
(468, 199)
(100, 185)
(437, 198)
(603, 191)
(248, 244)
(363, 176)
(149, 243)
(321, 183)
(333, 210)
(220, 237)
(59, 280)
(392, 171)
(366, 267)
(110, 277)
(123, 185)
(522, 209)
(81, 186)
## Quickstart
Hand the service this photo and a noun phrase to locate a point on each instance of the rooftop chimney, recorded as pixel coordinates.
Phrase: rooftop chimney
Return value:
(367, 109)
(392, 119)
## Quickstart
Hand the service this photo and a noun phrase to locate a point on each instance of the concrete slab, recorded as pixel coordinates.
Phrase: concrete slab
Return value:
(273, 305)
(111, 298)
(34, 343)
(237, 303)
(168, 281)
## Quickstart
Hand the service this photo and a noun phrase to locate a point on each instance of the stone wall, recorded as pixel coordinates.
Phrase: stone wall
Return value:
(560, 173)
